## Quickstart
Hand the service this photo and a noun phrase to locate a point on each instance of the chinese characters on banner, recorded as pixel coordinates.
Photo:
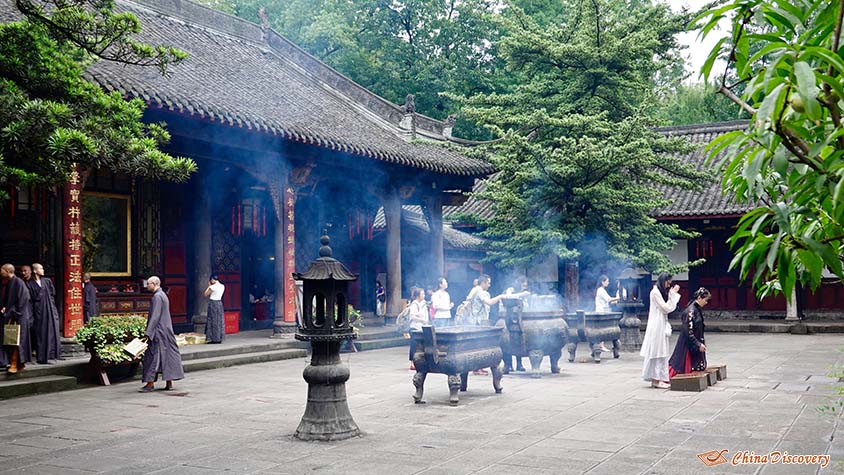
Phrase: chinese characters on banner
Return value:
(72, 217)
(289, 255)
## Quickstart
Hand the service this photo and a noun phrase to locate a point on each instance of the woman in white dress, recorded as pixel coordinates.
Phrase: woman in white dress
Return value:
(603, 301)
(655, 347)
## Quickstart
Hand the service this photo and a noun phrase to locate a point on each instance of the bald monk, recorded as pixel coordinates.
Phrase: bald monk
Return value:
(162, 355)
(16, 308)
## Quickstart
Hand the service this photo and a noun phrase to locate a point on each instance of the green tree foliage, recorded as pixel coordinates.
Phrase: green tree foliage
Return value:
(695, 104)
(578, 159)
(790, 160)
(393, 48)
(52, 118)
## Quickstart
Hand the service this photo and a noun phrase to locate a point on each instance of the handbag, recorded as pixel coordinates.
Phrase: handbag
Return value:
(667, 328)
(12, 334)
(403, 320)
(136, 347)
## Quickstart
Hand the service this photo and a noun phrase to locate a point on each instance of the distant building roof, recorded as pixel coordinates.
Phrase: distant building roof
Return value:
(243, 76)
(710, 201)
(475, 206)
(413, 216)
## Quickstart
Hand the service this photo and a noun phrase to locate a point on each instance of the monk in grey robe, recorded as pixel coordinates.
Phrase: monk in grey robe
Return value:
(46, 317)
(89, 298)
(162, 355)
(17, 308)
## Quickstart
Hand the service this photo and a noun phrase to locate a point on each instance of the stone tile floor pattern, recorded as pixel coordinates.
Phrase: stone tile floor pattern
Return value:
(592, 418)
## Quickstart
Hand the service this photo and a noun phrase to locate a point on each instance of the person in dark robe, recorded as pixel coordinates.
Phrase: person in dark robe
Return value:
(215, 325)
(26, 275)
(89, 298)
(162, 356)
(46, 317)
(16, 308)
(690, 351)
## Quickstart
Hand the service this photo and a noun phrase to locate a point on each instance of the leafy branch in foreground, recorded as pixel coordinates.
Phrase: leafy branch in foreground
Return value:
(788, 162)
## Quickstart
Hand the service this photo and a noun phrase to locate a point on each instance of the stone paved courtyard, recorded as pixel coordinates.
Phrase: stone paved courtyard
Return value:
(596, 419)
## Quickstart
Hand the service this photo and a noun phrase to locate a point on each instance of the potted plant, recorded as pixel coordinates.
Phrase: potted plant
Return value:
(106, 336)
(356, 321)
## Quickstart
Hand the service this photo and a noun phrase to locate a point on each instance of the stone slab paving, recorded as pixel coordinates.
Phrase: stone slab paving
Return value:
(592, 418)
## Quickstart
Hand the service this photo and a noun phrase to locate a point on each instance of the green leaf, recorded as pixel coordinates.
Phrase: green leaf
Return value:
(768, 108)
(706, 69)
(825, 55)
(807, 88)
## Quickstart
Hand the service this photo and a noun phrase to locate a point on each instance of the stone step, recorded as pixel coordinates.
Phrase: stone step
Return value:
(75, 367)
(374, 322)
(71, 349)
(193, 352)
(242, 359)
(764, 326)
(690, 382)
(36, 385)
(378, 333)
(58, 377)
(363, 345)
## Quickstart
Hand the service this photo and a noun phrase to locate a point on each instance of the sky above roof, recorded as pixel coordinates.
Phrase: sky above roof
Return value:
(697, 49)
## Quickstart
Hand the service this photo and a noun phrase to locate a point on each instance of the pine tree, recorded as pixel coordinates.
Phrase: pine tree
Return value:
(579, 160)
(52, 118)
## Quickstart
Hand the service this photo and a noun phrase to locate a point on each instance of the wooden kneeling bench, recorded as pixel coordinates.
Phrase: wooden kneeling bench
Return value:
(690, 382)
(721, 371)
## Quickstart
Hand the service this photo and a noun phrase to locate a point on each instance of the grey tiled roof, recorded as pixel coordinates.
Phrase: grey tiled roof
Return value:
(413, 216)
(474, 206)
(243, 76)
(710, 201)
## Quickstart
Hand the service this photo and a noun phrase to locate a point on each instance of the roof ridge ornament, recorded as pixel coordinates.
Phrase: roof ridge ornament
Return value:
(408, 122)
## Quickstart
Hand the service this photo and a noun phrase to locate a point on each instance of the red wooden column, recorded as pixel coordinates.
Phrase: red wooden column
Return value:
(289, 255)
(284, 320)
(72, 249)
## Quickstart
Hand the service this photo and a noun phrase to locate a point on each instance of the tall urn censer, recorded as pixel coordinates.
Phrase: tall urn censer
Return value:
(631, 285)
(325, 323)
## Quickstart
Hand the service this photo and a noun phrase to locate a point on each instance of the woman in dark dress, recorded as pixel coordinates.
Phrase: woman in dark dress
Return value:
(690, 351)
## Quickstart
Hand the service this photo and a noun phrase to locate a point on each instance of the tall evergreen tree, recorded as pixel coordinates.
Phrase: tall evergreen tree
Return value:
(579, 161)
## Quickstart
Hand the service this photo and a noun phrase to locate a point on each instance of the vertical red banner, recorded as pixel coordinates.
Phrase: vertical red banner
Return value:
(72, 218)
(289, 255)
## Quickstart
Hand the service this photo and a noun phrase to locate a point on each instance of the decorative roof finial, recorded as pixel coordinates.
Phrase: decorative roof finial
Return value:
(325, 248)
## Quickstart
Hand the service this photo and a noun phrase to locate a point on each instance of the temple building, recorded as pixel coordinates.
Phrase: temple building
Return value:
(286, 148)
(707, 212)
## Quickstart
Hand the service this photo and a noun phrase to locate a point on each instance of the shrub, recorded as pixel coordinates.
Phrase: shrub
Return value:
(106, 335)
